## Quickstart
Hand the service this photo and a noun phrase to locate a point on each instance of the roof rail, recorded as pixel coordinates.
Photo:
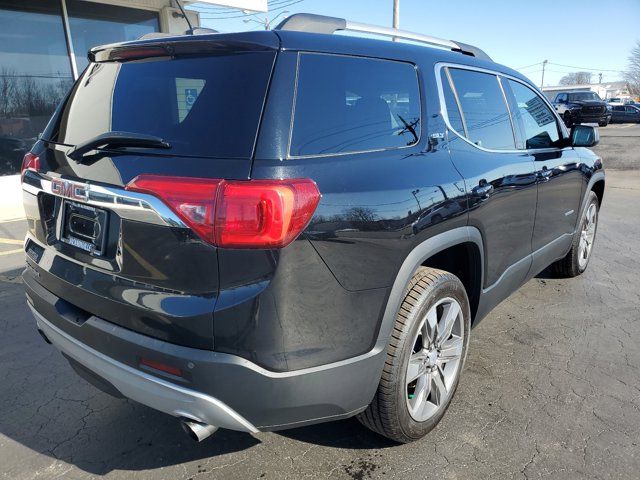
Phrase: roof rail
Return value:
(309, 22)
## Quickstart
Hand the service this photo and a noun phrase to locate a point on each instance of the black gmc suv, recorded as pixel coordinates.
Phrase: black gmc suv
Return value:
(263, 230)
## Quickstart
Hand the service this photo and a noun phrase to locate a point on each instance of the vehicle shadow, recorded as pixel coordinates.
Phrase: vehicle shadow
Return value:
(547, 274)
(47, 408)
(349, 434)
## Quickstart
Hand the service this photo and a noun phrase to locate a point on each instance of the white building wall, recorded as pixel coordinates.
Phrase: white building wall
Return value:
(169, 23)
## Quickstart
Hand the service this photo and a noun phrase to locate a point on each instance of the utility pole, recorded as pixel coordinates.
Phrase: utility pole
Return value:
(599, 78)
(544, 64)
(396, 16)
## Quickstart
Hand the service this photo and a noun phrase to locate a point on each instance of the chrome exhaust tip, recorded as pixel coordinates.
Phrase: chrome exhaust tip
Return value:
(196, 430)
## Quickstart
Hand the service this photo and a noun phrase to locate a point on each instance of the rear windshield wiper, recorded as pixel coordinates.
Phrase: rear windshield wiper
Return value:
(116, 140)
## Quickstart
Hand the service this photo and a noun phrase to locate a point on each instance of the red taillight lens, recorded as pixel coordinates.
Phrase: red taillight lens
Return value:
(29, 162)
(193, 199)
(264, 213)
(237, 214)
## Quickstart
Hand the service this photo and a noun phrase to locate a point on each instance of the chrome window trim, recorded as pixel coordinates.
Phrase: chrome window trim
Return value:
(140, 207)
(357, 152)
(443, 107)
(452, 87)
(506, 102)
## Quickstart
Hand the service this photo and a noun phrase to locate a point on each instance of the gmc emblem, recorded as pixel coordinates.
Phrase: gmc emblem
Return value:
(67, 189)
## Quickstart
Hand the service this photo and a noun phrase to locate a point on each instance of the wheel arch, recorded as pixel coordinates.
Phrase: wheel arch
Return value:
(438, 252)
(598, 188)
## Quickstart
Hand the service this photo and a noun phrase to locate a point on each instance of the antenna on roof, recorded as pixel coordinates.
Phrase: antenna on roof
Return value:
(184, 14)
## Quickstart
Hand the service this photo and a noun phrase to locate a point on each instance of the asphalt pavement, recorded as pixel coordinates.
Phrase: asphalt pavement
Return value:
(551, 388)
(619, 143)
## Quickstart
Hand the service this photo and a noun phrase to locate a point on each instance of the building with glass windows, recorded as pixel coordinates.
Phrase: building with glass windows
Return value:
(43, 48)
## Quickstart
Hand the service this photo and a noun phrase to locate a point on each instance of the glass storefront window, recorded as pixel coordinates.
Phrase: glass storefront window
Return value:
(35, 74)
(94, 24)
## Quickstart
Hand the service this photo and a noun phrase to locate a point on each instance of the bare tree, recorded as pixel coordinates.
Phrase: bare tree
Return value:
(632, 74)
(360, 214)
(576, 78)
(7, 91)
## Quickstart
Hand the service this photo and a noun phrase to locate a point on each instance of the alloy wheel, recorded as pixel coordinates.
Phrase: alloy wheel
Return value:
(587, 235)
(435, 360)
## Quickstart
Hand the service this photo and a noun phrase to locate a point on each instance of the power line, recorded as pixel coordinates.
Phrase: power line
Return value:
(206, 17)
(214, 10)
(527, 66)
(585, 68)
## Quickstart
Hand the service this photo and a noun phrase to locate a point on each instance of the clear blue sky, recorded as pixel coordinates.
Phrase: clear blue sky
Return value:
(583, 33)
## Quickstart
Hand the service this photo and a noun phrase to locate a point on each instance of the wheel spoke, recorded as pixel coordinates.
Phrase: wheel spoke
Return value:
(420, 394)
(449, 317)
(438, 385)
(451, 349)
(431, 326)
(416, 367)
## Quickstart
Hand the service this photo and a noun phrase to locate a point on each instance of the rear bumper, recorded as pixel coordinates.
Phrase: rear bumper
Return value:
(144, 388)
(219, 389)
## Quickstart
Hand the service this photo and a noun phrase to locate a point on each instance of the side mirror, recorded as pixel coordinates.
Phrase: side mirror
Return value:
(584, 136)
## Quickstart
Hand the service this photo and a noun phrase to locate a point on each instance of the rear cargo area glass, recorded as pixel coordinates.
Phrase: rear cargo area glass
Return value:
(206, 106)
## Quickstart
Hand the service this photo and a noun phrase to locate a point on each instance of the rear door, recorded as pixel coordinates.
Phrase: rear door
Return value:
(500, 179)
(145, 269)
(559, 177)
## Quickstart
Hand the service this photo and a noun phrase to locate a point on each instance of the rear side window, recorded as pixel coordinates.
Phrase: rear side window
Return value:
(484, 109)
(206, 106)
(350, 104)
(535, 118)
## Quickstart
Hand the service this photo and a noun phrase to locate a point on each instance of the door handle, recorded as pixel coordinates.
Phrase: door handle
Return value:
(545, 173)
(483, 188)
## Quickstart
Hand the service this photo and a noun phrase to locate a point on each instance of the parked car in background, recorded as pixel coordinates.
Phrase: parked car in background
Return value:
(625, 114)
(582, 107)
(619, 101)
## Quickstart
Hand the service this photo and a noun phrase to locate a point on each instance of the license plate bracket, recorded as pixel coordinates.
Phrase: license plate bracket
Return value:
(84, 227)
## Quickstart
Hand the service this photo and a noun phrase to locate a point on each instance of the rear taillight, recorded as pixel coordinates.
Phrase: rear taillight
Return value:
(29, 162)
(237, 214)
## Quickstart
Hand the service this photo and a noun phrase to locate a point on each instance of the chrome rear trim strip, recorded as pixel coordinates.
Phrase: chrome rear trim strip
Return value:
(140, 207)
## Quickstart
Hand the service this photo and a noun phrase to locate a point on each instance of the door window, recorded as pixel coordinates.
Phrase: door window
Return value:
(350, 104)
(484, 109)
(536, 120)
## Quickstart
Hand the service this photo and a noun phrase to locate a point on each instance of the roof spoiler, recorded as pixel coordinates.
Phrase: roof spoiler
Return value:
(311, 23)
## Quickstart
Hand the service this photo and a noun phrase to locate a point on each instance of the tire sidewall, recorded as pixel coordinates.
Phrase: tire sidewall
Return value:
(450, 287)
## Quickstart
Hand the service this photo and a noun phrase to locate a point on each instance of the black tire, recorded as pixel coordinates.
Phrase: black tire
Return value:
(388, 414)
(603, 124)
(571, 265)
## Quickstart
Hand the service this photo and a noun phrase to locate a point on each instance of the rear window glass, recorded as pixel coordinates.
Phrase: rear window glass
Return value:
(203, 106)
(484, 109)
(350, 104)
